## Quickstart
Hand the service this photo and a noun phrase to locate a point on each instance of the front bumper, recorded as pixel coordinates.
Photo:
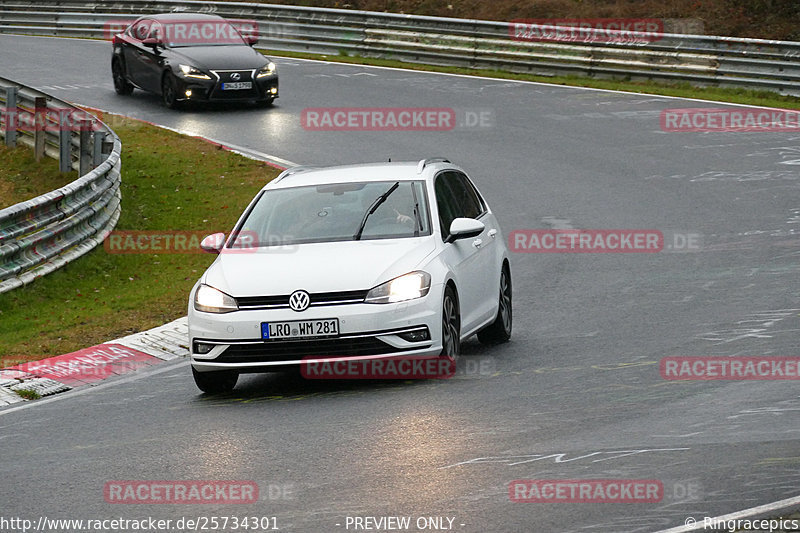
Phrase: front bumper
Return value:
(195, 89)
(367, 331)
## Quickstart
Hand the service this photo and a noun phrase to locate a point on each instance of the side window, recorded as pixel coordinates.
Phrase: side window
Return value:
(470, 203)
(140, 30)
(446, 202)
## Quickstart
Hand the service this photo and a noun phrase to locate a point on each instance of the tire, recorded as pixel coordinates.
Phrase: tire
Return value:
(499, 331)
(121, 85)
(451, 325)
(169, 91)
(217, 382)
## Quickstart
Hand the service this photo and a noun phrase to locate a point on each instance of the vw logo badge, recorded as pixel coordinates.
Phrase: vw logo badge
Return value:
(236, 76)
(299, 301)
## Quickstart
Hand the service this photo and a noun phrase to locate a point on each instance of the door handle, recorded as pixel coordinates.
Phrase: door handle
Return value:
(492, 233)
(477, 243)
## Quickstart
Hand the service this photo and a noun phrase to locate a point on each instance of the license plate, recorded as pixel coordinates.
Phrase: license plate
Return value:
(300, 329)
(237, 85)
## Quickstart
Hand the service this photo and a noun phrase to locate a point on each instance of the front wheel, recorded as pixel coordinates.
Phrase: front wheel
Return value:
(451, 325)
(500, 330)
(121, 85)
(216, 382)
(169, 91)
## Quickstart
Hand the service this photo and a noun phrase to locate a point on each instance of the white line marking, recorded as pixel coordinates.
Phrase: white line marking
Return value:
(540, 83)
(159, 369)
(767, 508)
(241, 150)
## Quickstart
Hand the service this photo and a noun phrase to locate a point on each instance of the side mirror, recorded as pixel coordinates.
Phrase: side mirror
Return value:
(464, 228)
(153, 42)
(213, 243)
(251, 39)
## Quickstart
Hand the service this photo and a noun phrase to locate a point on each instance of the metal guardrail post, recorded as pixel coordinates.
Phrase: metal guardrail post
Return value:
(64, 148)
(40, 126)
(12, 117)
(97, 148)
(108, 146)
(85, 155)
(42, 234)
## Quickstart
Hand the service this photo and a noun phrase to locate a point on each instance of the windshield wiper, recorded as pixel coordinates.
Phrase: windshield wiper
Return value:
(417, 219)
(375, 205)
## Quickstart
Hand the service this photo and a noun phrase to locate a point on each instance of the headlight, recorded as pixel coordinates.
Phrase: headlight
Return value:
(193, 72)
(266, 70)
(211, 300)
(407, 287)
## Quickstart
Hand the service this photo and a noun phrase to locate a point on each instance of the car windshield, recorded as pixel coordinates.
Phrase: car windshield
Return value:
(200, 33)
(336, 212)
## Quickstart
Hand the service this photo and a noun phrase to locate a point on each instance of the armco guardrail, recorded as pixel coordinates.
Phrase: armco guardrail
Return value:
(40, 235)
(697, 59)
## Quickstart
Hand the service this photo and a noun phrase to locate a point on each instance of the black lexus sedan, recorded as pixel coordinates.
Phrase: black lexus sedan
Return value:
(189, 56)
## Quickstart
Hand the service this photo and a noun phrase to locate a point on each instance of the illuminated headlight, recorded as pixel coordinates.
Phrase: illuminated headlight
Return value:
(407, 287)
(193, 72)
(266, 70)
(210, 300)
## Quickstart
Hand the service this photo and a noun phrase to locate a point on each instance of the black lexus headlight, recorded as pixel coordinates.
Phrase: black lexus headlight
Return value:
(193, 72)
(267, 70)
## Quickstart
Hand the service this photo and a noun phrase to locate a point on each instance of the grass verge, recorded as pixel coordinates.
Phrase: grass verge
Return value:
(682, 90)
(28, 394)
(23, 177)
(169, 182)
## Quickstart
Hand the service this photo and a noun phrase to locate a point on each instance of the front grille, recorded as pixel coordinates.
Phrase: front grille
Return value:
(317, 299)
(225, 76)
(276, 351)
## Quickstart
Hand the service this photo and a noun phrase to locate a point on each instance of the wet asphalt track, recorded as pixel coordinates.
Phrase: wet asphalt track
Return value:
(576, 394)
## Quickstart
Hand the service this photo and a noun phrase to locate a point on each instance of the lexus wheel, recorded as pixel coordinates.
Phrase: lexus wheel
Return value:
(121, 85)
(169, 91)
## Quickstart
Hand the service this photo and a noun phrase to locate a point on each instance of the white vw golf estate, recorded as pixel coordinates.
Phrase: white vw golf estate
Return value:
(355, 262)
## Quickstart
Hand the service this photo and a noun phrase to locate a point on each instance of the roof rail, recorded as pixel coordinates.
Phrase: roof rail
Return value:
(425, 162)
(293, 170)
